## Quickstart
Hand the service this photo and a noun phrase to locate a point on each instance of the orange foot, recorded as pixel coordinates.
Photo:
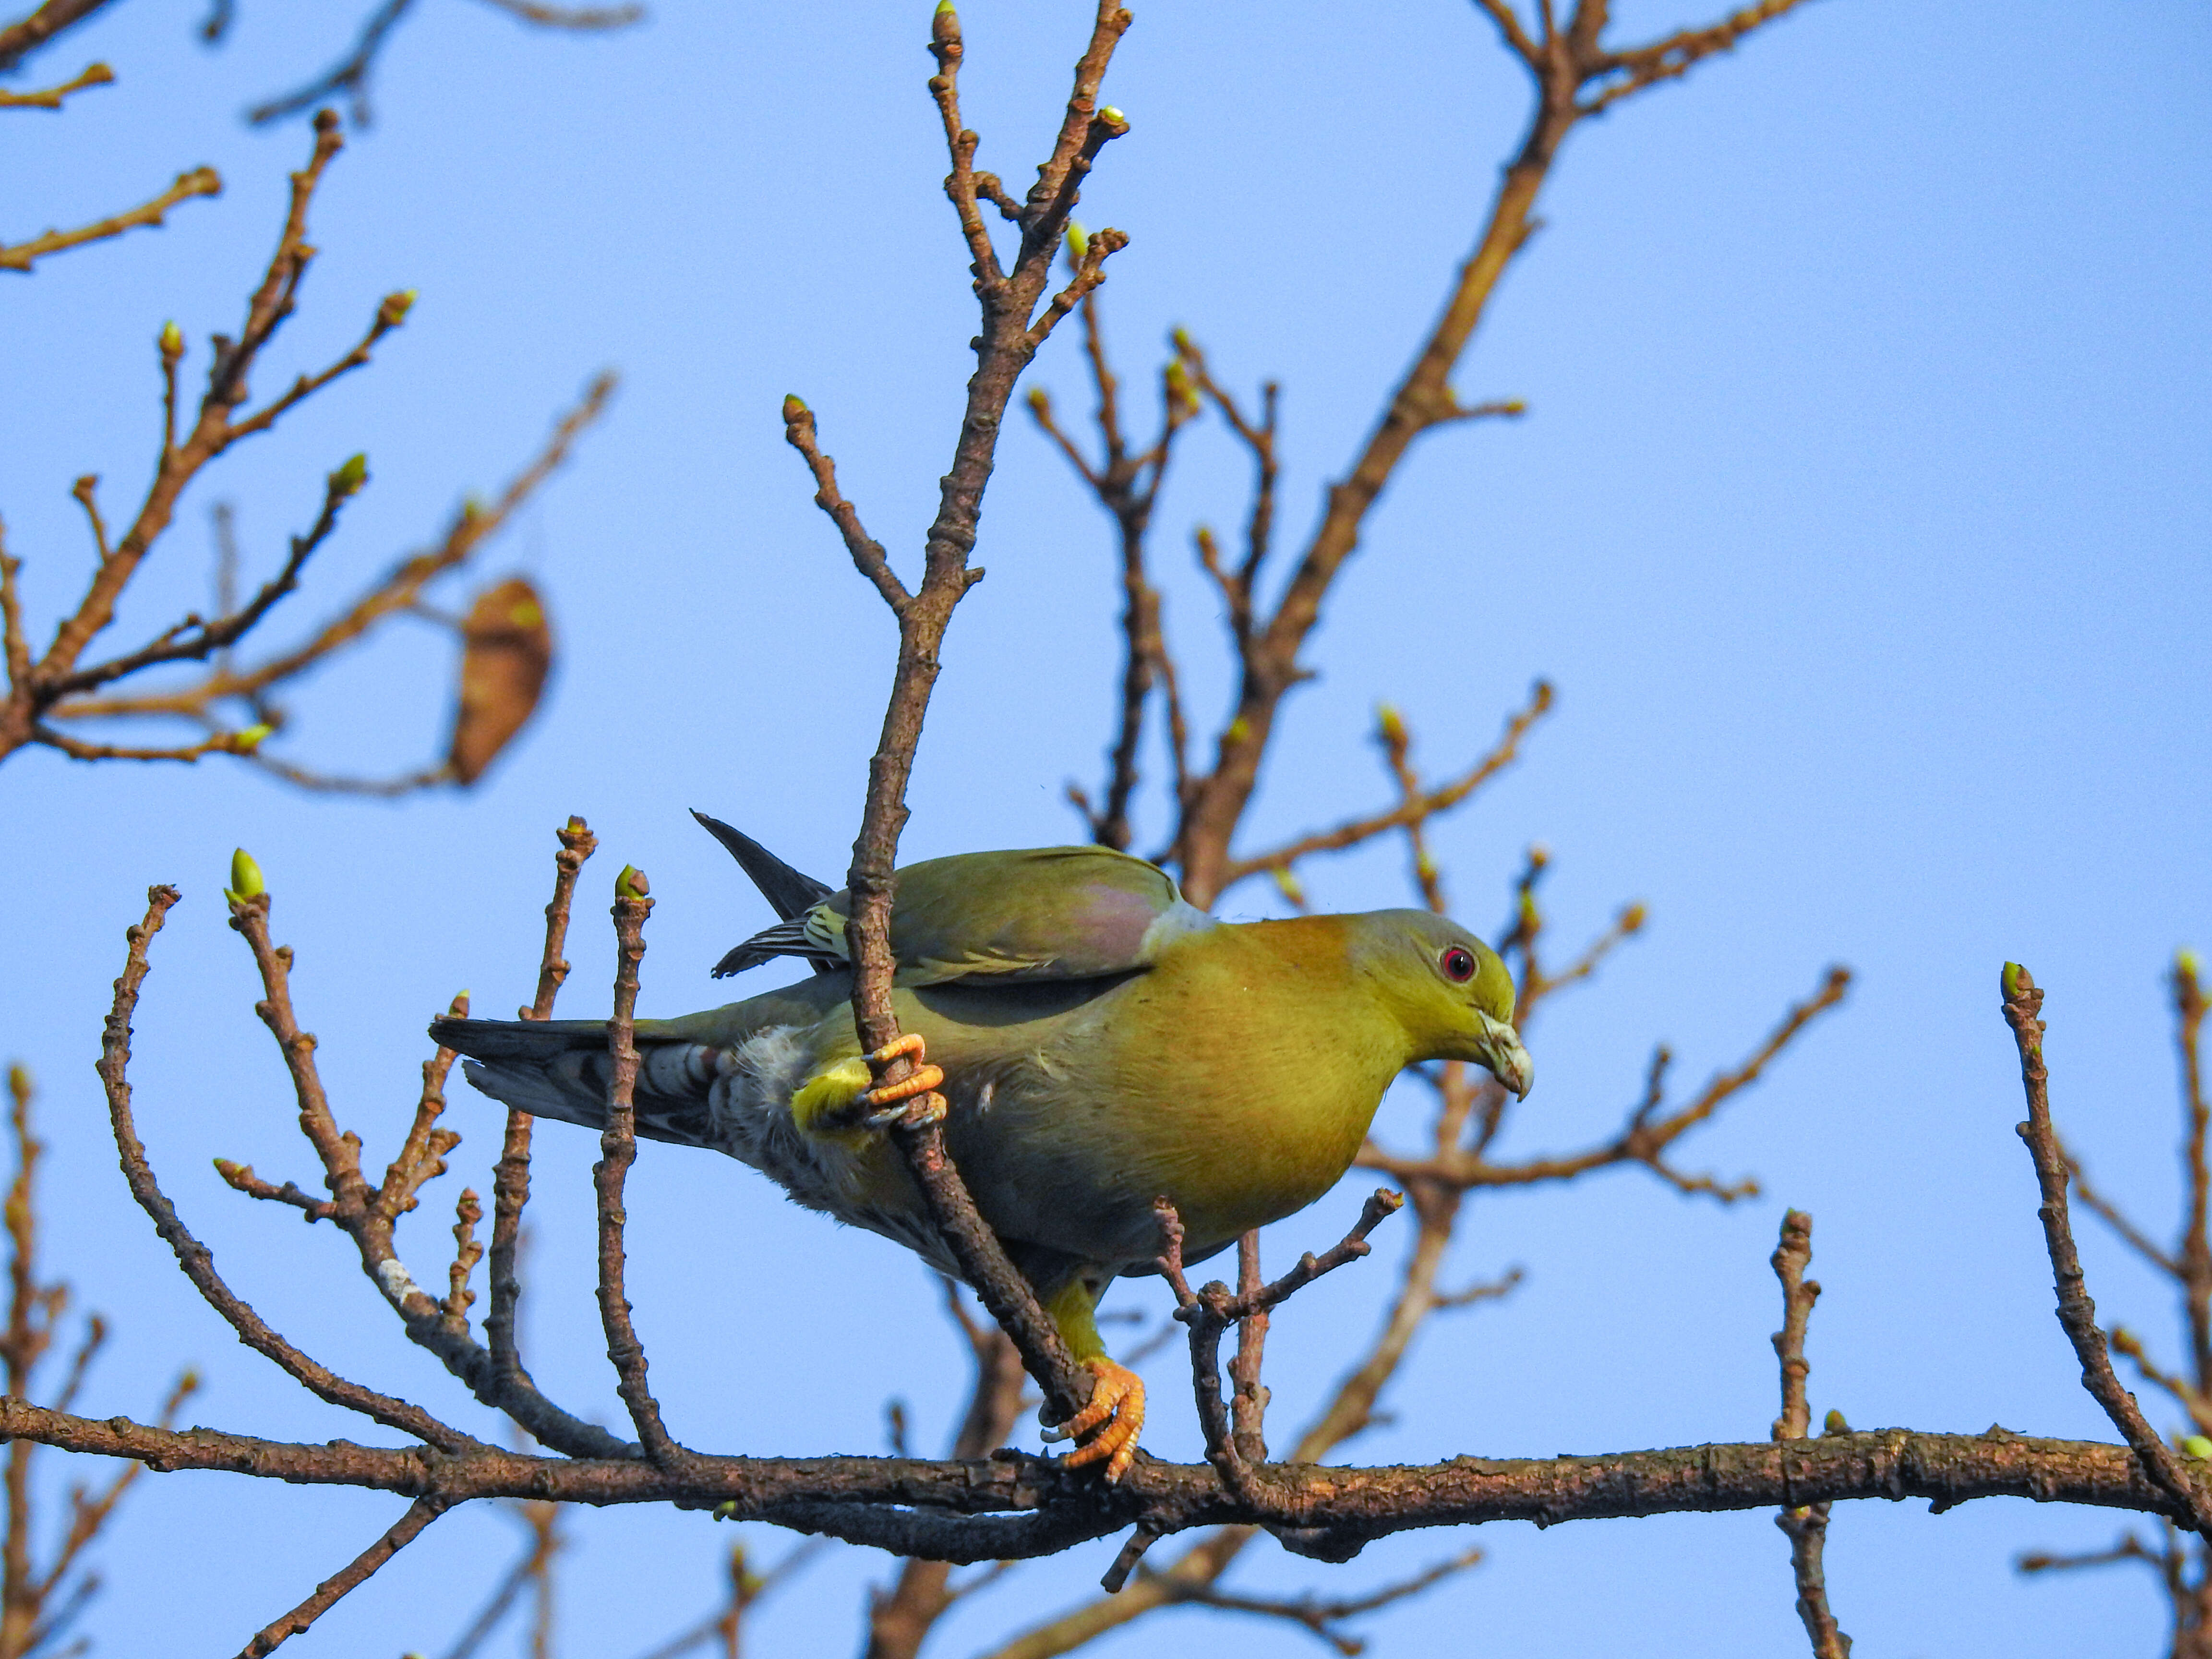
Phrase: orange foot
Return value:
(889, 1102)
(1116, 1413)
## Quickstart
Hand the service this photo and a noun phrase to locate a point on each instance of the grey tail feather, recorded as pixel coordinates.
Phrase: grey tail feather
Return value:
(788, 891)
(561, 1069)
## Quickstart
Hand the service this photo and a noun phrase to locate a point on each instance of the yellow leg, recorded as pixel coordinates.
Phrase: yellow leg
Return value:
(1115, 1415)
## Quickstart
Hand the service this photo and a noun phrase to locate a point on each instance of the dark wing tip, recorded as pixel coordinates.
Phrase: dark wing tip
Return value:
(789, 892)
(738, 959)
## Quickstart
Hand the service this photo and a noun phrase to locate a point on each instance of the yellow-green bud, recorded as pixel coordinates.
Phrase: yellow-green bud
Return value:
(1514, 406)
(794, 409)
(2185, 964)
(173, 340)
(2123, 1341)
(1180, 339)
(1291, 889)
(245, 881)
(630, 883)
(2014, 974)
(727, 1509)
(1079, 241)
(1389, 724)
(1834, 1424)
(393, 312)
(1633, 919)
(1113, 117)
(2197, 1446)
(245, 741)
(348, 478)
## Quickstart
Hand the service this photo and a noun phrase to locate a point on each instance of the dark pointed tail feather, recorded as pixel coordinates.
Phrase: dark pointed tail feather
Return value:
(561, 1069)
(788, 891)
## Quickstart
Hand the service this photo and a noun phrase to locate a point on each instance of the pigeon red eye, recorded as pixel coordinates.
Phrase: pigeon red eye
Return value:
(1459, 964)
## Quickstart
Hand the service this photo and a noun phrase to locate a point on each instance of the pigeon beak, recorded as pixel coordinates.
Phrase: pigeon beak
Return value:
(1499, 1048)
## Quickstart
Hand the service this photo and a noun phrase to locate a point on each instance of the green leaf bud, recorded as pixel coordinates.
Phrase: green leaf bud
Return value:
(245, 741)
(630, 883)
(350, 477)
(172, 341)
(2197, 1446)
(245, 881)
(1834, 1424)
(1079, 241)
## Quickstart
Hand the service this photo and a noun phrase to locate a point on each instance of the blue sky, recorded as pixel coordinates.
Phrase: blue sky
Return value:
(1858, 516)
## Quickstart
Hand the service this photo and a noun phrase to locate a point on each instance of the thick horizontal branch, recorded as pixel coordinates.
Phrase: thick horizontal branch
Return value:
(904, 1499)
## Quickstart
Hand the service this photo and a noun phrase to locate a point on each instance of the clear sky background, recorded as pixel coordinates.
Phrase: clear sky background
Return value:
(1859, 518)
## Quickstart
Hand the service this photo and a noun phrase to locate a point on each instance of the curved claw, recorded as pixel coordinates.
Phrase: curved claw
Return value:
(1117, 1414)
(887, 1103)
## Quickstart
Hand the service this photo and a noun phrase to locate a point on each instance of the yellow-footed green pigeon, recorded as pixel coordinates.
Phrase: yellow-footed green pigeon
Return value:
(1103, 1044)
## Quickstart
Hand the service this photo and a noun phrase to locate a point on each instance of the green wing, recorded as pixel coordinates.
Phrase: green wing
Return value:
(1041, 913)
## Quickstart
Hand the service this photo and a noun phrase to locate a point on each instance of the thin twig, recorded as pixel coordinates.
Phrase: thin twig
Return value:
(511, 1176)
(21, 38)
(92, 75)
(1424, 806)
(335, 1589)
(617, 1150)
(198, 181)
(2077, 1313)
(196, 1261)
(1315, 1615)
(1806, 1525)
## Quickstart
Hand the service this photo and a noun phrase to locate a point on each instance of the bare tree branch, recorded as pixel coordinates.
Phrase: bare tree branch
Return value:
(332, 1590)
(198, 181)
(19, 40)
(2077, 1313)
(1806, 1525)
